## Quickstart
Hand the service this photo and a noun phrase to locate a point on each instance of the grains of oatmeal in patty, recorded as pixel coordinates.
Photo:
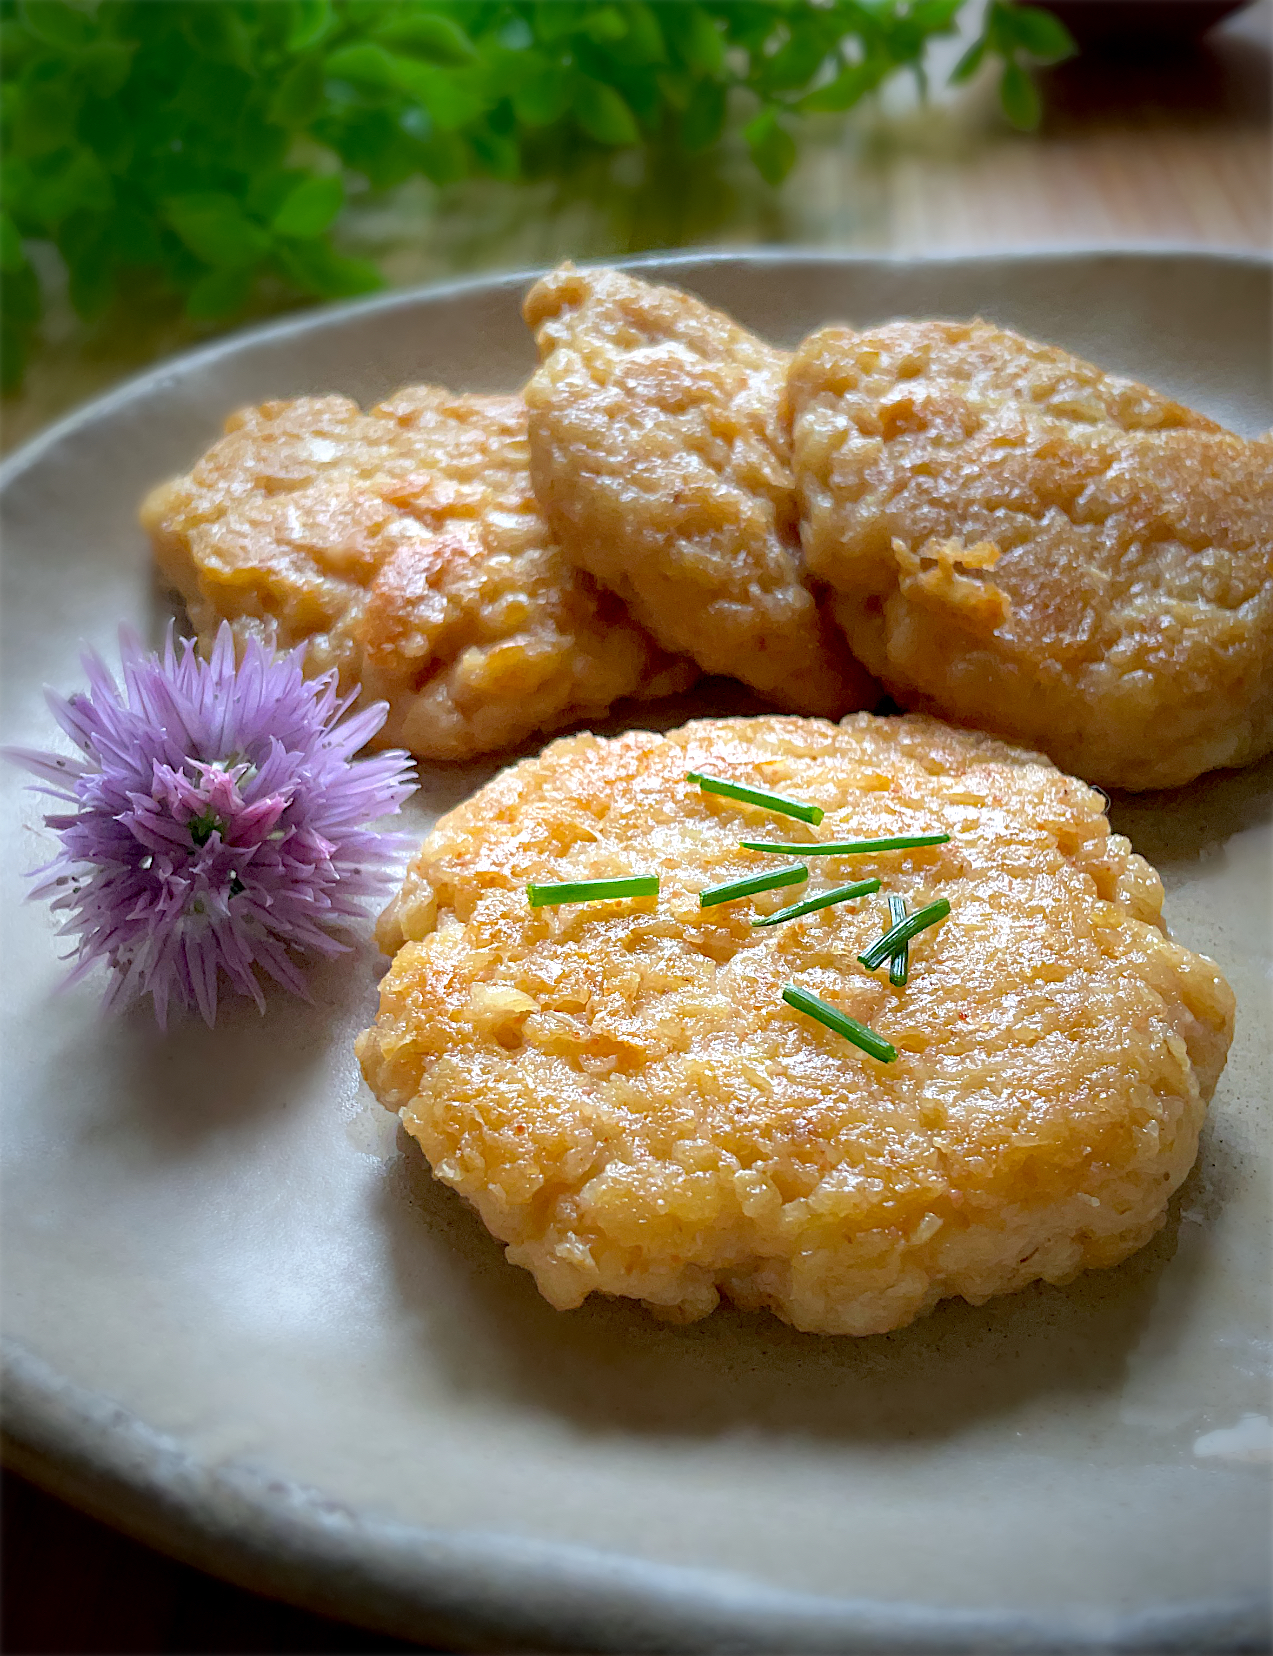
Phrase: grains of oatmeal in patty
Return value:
(405, 548)
(620, 1091)
(1024, 543)
(662, 462)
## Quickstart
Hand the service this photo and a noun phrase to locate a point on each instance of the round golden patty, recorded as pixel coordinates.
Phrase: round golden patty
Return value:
(405, 548)
(661, 461)
(622, 1093)
(1024, 543)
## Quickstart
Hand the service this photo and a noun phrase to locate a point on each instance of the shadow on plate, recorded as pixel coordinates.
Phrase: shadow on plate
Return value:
(169, 1092)
(1186, 824)
(610, 1367)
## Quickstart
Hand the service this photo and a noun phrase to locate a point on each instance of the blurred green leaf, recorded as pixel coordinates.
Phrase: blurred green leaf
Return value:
(209, 90)
(298, 97)
(21, 296)
(310, 207)
(105, 129)
(450, 98)
(311, 20)
(359, 136)
(269, 190)
(74, 182)
(497, 153)
(970, 62)
(772, 147)
(1019, 98)
(314, 267)
(1039, 33)
(84, 235)
(56, 24)
(365, 65)
(213, 226)
(428, 35)
(11, 255)
(694, 38)
(258, 143)
(603, 114)
(220, 293)
(847, 89)
(46, 119)
(639, 89)
(935, 16)
(794, 64)
(545, 98)
(641, 42)
(102, 68)
(605, 23)
(218, 31)
(17, 47)
(554, 18)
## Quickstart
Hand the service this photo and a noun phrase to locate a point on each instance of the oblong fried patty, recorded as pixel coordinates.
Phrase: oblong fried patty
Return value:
(662, 462)
(405, 548)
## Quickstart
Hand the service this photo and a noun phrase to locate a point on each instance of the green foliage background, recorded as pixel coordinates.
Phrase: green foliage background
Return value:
(204, 147)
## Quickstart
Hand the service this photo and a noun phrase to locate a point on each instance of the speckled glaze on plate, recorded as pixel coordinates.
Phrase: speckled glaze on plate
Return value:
(243, 1322)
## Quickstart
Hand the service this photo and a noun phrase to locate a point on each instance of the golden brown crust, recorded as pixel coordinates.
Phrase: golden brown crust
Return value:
(405, 548)
(1025, 543)
(662, 463)
(622, 1094)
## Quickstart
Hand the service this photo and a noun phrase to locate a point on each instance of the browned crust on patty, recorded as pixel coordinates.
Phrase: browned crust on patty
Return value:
(662, 462)
(623, 1095)
(405, 548)
(1025, 543)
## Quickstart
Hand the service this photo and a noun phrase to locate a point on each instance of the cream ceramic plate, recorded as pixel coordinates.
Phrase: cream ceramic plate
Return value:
(244, 1323)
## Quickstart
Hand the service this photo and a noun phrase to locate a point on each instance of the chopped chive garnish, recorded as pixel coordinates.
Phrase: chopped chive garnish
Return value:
(750, 886)
(841, 894)
(814, 1007)
(850, 848)
(893, 939)
(899, 965)
(592, 891)
(757, 796)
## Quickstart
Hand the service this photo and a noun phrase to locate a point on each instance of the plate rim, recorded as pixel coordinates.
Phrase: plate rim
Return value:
(298, 1545)
(486, 1590)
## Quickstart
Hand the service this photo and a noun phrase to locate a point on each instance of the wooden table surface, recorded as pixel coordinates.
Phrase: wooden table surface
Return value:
(1175, 152)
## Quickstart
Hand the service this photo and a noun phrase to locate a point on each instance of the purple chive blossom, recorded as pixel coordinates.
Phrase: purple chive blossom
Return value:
(217, 820)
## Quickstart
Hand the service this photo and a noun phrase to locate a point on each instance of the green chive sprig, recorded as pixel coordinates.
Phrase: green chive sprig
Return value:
(841, 894)
(813, 1006)
(591, 891)
(749, 887)
(901, 933)
(758, 796)
(899, 963)
(850, 848)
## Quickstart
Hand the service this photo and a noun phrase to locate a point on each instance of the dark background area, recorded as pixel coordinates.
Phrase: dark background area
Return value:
(73, 1587)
